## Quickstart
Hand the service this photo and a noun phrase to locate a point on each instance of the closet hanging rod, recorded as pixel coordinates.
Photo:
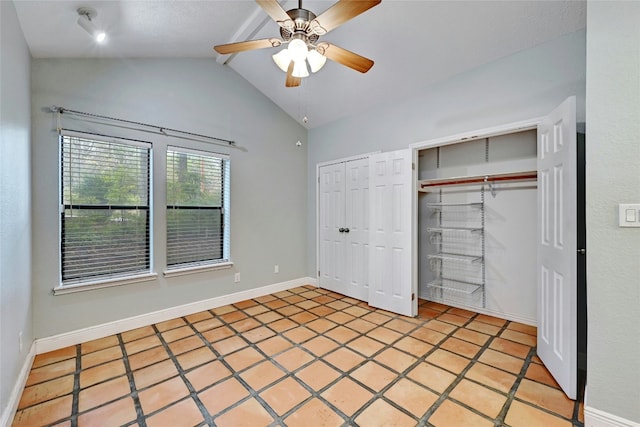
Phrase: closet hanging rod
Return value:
(426, 184)
(160, 129)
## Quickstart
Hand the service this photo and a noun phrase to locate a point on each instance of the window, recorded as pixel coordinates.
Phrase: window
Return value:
(105, 217)
(197, 208)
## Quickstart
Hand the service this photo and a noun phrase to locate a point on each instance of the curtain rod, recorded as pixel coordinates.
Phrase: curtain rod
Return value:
(161, 129)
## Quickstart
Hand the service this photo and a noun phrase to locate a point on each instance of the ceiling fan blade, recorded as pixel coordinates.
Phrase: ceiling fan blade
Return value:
(292, 81)
(277, 13)
(226, 49)
(340, 13)
(345, 57)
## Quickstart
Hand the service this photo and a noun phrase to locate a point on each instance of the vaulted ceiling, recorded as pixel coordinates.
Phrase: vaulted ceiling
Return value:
(414, 43)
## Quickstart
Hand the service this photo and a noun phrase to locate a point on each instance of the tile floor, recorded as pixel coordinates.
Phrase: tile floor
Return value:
(304, 357)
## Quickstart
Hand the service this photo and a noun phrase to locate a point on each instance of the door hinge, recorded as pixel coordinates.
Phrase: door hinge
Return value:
(318, 180)
(413, 166)
(413, 296)
(318, 273)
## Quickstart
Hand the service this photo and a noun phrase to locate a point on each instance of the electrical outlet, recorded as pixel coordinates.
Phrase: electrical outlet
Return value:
(276, 268)
(236, 279)
(20, 341)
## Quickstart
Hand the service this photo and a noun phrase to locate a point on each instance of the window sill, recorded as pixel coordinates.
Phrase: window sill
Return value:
(108, 283)
(197, 269)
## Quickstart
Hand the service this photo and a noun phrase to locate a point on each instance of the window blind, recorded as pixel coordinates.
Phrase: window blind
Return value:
(197, 190)
(105, 213)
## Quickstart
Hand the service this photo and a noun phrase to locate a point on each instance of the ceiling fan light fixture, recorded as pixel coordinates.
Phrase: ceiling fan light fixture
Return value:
(298, 50)
(316, 60)
(300, 69)
(282, 59)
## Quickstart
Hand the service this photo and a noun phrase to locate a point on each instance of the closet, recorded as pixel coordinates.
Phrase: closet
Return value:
(343, 227)
(477, 220)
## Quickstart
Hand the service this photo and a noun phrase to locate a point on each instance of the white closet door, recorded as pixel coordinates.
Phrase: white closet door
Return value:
(331, 219)
(356, 227)
(557, 282)
(390, 270)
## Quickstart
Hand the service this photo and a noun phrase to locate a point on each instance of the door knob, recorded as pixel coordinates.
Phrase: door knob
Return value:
(346, 230)
(341, 230)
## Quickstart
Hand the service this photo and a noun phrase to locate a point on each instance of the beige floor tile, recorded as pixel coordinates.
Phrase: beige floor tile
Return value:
(162, 395)
(411, 396)
(340, 317)
(244, 358)
(196, 357)
(184, 413)
(39, 393)
(432, 376)
(208, 374)
(185, 344)
(317, 375)
(307, 304)
(218, 334)
(428, 335)
(344, 359)
(395, 359)
(510, 347)
(147, 357)
(540, 374)
(485, 328)
(51, 371)
(322, 311)
(492, 377)
(284, 395)
(366, 346)
(495, 321)
(222, 395)
(347, 396)
(303, 317)
(170, 324)
(373, 375)
(233, 316)
(247, 414)
(117, 413)
(154, 373)
(320, 345)
(103, 393)
(384, 335)
(453, 319)
(461, 312)
(101, 356)
(262, 375)
(413, 346)
(478, 397)
(442, 327)
(255, 310)
(341, 334)
(523, 415)
(91, 376)
(519, 337)
(400, 326)
(99, 344)
(138, 333)
(245, 304)
(447, 360)
(316, 410)
(382, 414)
(300, 334)
(282, 325)
(208, 324)
(293, 359)
(545, 397)
(245, 325)
(460, 347)
(471, 336)
(521, 327)
(45, 413)
(197, 317)
(133, 347)
(289, 310)
(229, 345)
(177, 333)
(451, 414)
(268, 317)
(360, 325)
(274, 345)
(501, 361)
(321, 325)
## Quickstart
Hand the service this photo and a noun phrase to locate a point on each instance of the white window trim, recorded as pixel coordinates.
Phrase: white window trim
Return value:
(105, 283)
(197, 269)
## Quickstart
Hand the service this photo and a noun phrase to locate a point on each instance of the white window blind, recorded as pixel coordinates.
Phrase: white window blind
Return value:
(197, 208)
(105, 213)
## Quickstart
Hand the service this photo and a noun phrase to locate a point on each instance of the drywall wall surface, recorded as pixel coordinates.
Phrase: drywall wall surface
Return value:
(15, 208)
(613, 177)
(268, 172)
(522, 86)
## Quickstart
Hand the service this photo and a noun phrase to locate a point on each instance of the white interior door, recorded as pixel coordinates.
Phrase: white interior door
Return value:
(390, 270)
(557, 282)
(356, 229)
(331, 219)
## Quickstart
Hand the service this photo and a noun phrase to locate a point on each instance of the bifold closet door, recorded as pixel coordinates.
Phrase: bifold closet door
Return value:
(344, 228)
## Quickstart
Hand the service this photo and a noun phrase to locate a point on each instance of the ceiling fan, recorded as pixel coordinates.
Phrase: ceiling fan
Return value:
(301, 29)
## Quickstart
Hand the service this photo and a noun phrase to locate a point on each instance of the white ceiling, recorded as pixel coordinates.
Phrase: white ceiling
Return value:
(413, 43)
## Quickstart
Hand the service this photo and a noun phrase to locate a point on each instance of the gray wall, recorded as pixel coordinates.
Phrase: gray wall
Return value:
(268, 188)
(519, 87)
(15, 207)
(613, 177)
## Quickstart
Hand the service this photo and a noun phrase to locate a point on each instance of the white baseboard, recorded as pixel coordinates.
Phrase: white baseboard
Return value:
(14, 398)
(597, 418)
(43, 345)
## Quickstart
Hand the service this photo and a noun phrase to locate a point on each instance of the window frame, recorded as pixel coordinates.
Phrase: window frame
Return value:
(114, 279)
(202, 265)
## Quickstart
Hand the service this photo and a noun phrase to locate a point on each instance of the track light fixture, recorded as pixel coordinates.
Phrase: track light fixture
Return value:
(85, 20)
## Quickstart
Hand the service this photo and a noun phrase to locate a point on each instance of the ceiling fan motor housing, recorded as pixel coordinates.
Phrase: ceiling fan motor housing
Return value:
(301, 20)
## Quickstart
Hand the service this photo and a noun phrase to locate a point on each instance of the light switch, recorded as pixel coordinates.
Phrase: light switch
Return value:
(629, 215)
